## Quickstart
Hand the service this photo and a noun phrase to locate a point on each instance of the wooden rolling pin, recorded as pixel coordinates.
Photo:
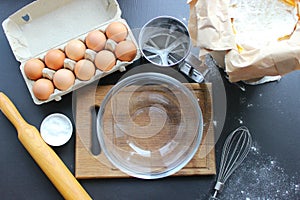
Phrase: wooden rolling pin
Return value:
(45, 157)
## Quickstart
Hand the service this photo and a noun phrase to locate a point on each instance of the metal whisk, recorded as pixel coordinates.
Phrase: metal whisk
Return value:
(235, 150)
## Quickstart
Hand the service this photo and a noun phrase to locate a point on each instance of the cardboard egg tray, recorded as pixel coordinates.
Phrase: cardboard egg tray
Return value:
(43, 25)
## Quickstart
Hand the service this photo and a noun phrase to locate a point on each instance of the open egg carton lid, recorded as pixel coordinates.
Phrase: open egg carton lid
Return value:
(44, 25)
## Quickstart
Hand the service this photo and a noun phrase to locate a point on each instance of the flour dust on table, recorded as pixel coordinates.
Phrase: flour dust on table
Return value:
(260, 177)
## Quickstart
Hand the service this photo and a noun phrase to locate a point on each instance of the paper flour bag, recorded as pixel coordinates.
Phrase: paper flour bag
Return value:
(251, 39)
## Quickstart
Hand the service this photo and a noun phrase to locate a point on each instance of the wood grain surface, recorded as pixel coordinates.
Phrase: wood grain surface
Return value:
(88, 165)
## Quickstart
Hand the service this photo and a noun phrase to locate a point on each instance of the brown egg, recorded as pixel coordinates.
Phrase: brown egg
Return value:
(126, 51)
(116, 31)
(54, 59)
(95, 40)
(75, 50)
(84, 69)
(63, 79)
(42, 89)
(105, 60)
(33, 68)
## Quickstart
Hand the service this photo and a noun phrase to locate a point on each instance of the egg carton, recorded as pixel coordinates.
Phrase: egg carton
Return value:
(44, 25)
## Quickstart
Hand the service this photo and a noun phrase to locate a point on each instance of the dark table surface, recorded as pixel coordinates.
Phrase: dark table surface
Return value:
(271, 112)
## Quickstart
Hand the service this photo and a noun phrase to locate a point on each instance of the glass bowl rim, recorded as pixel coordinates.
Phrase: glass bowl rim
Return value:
(128, 81)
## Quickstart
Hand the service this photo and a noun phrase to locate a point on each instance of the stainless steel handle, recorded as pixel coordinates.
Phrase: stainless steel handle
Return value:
(194, 68)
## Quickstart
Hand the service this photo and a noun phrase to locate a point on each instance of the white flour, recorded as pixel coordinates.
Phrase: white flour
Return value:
(261, 21)
(260, 177)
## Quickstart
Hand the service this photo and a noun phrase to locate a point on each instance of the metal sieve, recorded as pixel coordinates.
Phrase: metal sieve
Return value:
(165, 41)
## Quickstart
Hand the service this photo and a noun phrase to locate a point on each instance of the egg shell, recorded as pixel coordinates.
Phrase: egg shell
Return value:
(63, 79)
(95, 40)
(54, 59)
(116, 31)
(42, 89)
(33, 68)
(84, 70)
(126, 51)
(75, 49)
(105, 60)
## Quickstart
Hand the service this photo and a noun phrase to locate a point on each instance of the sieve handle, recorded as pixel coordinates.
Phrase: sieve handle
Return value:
(193, 68)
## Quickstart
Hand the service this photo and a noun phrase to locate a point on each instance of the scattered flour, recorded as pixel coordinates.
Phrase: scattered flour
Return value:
(249, 105)
(260, 177)
(241, 120)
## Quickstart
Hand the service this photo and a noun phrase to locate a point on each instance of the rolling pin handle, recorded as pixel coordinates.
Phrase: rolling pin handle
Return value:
(44, 156)
(10, 111)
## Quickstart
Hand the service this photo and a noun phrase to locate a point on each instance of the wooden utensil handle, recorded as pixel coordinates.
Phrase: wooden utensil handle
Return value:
(10, 111)
(45, 157)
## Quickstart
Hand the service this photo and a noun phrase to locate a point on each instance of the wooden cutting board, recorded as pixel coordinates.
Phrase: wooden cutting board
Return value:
(89, 165)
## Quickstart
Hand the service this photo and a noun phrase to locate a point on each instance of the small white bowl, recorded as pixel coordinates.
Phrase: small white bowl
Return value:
(56, 129)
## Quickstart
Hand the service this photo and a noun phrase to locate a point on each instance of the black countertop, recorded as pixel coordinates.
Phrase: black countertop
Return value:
(271, 111)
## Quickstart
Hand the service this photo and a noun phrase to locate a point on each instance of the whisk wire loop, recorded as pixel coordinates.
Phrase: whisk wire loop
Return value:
(235, 149)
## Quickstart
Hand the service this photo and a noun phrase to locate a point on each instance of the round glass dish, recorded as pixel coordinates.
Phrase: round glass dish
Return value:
(149, 125)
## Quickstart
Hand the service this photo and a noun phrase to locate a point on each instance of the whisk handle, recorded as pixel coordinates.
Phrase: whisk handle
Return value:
(219, 186)
(214, 196)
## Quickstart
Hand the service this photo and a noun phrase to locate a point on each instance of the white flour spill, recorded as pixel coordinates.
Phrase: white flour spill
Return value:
(249, 105)
(241, 120)
(260, 177)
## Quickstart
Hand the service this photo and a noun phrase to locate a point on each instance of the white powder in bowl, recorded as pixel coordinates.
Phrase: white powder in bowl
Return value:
(56, 129)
